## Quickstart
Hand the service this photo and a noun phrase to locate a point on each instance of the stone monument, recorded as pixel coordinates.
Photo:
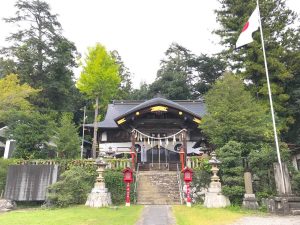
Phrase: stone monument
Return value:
(214, 197)
(249, 200)
(99, 196)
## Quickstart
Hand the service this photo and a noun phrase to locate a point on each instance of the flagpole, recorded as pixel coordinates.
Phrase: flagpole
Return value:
(271, 102)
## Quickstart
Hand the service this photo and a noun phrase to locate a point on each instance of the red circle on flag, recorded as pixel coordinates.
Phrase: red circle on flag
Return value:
(246, 26)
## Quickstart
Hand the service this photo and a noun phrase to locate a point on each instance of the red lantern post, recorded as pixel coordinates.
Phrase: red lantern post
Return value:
(181, 153)
(127, 179)
(188, 177)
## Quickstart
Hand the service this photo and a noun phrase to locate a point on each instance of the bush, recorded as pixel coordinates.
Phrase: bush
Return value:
(4, 163)
(201, 180)
(296, 182)
(116, 186)
(232, 171)
(73, 187)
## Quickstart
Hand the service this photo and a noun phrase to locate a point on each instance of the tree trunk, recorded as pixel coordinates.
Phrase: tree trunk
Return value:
(95, 142)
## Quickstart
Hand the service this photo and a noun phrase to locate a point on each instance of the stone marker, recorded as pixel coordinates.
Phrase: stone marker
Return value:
(249, 200)
(278, 179)
(99, 196)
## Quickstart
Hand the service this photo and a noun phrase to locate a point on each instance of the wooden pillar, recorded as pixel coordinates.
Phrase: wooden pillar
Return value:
(184, 144)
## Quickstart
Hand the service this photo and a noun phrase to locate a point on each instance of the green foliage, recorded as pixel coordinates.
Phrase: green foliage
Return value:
(72, 188)
(14, 96)
(233, 114)
(296, 182)
(116, 186)
(232, 171)
(125, 87)
(4, 163)
(32, 133)
(201, 180)
(66, 138)
(41, 56)
(100, 75)
(282, 49)
(261, 159)
(182, 75)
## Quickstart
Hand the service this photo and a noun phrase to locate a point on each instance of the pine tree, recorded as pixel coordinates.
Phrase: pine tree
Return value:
(248, 60)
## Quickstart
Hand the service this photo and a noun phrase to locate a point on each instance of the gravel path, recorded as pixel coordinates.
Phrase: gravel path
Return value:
(157, 215)
(268, 220)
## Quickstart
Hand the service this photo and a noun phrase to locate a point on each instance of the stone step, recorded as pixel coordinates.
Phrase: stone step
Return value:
(158, 187)
(295, 212)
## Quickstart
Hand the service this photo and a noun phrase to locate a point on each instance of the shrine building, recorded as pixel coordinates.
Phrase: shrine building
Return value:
(156, 129)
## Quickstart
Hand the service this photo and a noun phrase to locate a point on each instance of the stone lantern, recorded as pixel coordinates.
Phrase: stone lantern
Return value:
(99, 196)
(214, 197)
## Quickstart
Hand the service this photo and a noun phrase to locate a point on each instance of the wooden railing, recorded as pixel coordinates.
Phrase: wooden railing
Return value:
(196, 162)
(112, 163)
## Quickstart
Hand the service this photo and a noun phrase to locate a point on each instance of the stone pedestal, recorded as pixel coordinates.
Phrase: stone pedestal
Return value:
(7, 205)
(99, 196)
(214, 197)
(250, 202)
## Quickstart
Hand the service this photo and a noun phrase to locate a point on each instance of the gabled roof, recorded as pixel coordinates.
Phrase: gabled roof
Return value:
(119, 109)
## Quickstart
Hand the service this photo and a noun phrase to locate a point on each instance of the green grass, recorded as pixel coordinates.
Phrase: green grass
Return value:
(79, 215)
(198, 215)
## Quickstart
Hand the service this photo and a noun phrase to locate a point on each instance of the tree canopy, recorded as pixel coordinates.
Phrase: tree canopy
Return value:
(99, 79)
(281, 41)
(234, 115)
(40, 55)
(14, 96)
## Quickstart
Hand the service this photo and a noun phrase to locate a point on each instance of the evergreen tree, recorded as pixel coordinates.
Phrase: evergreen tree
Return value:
(234, 115)
(42, 57)
(66, 138)
(248, 60)
(126, 84)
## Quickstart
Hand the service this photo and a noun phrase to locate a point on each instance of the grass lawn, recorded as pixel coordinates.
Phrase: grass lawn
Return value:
(79, 215)
(198, 215)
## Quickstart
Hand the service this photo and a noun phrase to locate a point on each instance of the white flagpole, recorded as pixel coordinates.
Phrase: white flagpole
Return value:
(271, 102)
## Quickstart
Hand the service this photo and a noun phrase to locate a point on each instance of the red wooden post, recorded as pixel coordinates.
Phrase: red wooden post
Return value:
(188, 196)
(127, 194)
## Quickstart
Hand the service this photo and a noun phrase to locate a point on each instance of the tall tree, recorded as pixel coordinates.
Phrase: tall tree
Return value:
(207, 70)
(99, 80)
(184, 75)
(43, 58)
(280, 41)
(174, 77)
(125, 88)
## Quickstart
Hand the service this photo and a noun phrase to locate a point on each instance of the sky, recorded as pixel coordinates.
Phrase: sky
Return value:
(140, 30)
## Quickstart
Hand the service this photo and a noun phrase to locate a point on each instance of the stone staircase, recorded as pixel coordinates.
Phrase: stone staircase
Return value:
(158, 187)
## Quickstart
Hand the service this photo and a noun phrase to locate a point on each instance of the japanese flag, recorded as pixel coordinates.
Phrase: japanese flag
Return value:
(251, 26)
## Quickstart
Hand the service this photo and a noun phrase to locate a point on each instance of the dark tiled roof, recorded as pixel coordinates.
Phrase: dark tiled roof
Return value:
(119, 109)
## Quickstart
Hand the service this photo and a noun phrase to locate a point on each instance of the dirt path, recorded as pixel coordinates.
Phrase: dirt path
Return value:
(157, 215)
(268, 220)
